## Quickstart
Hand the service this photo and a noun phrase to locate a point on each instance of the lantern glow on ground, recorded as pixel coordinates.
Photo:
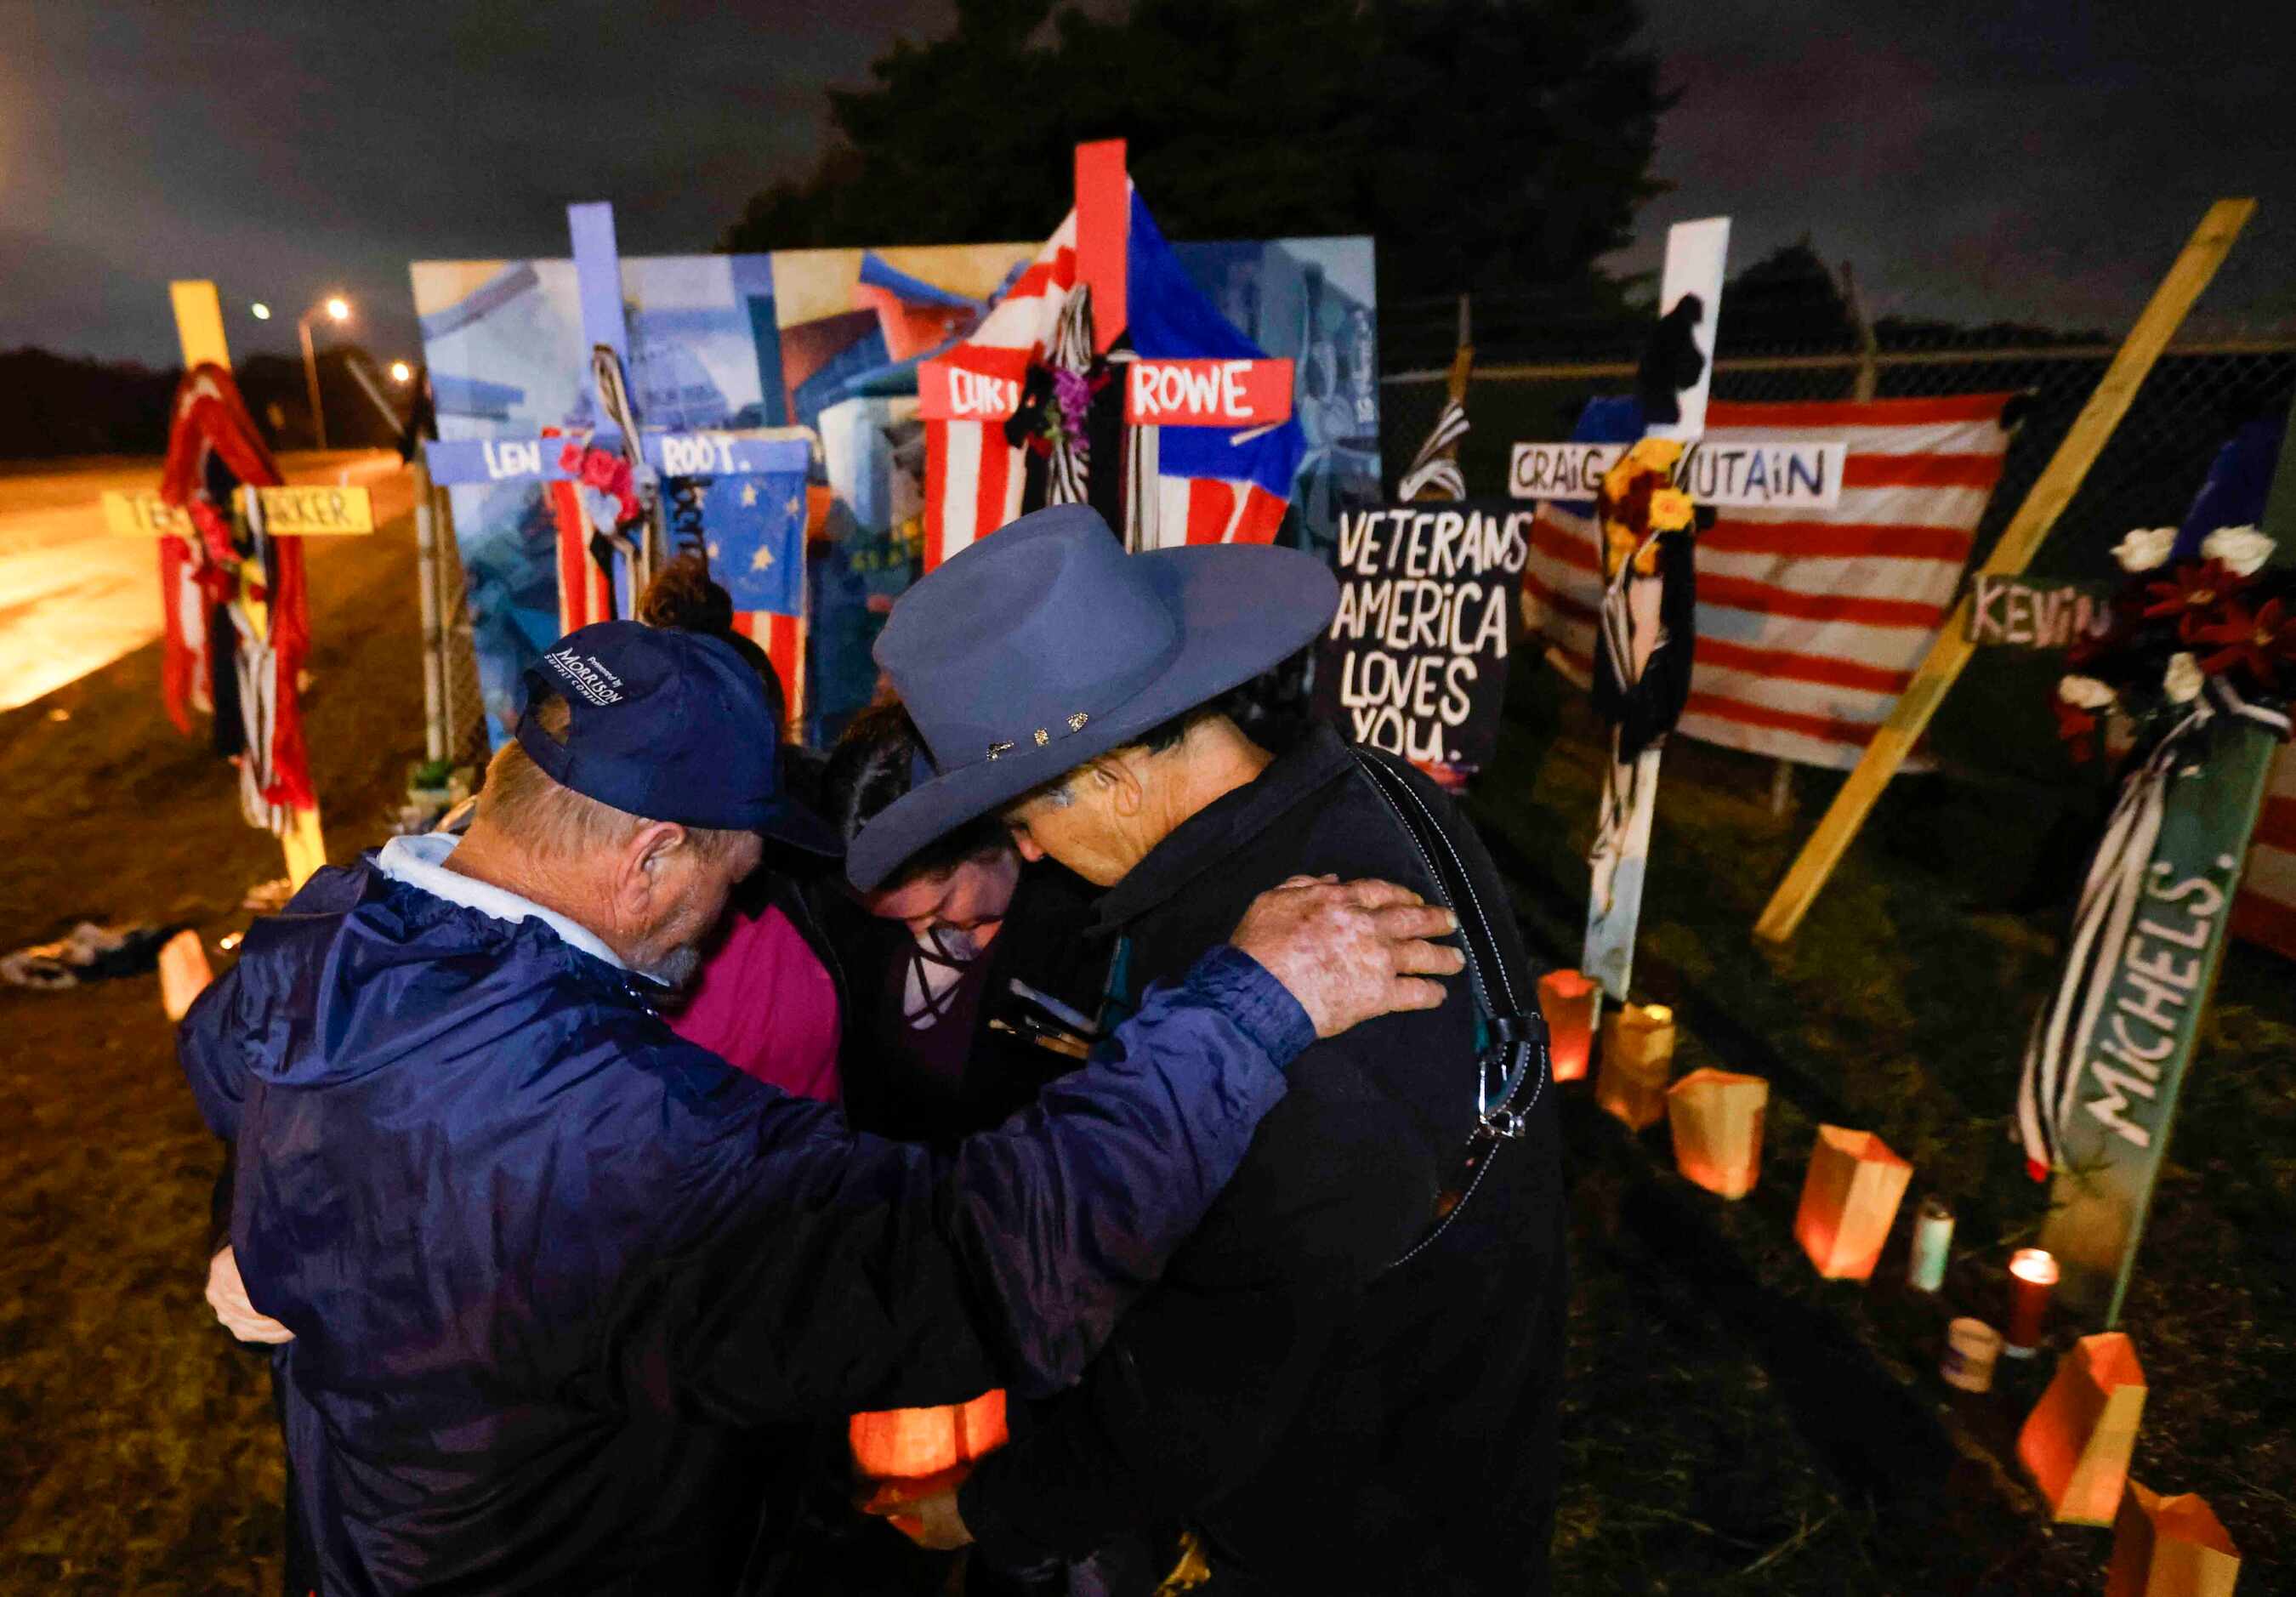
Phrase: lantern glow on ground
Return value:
(1717, 1118)
(1566, 999)
(1638, 1059)
(1849, 1200)
(2078, 1440)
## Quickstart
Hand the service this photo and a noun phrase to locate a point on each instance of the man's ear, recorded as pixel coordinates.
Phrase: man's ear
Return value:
(1120, 775)
(639, 865)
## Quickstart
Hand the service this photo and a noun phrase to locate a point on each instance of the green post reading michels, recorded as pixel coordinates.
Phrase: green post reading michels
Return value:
(2133, 1063)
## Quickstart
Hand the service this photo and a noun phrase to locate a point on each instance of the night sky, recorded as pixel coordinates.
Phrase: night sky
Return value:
(2015, 159)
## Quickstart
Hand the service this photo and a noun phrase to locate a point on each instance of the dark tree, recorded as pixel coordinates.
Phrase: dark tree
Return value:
(1486, 144)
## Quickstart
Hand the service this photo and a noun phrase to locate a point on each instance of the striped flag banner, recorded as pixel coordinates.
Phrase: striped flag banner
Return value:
(2265, 910)
(1810, 622)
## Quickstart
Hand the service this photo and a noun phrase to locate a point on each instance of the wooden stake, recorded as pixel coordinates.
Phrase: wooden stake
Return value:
(1104, 213)
(2204, 253)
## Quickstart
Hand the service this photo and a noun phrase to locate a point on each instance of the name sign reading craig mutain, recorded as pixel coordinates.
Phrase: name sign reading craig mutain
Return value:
(1739, 476)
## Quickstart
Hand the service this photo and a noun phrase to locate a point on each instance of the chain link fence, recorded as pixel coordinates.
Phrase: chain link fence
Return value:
(455, 708)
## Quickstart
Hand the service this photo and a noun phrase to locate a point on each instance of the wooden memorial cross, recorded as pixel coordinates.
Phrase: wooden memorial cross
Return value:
(539, 458)
(2054, 489)
(2130, 1058)
(294, 511)
(975, 383)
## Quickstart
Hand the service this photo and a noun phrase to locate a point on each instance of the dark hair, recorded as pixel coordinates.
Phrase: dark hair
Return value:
(682, 597)
(875, 762)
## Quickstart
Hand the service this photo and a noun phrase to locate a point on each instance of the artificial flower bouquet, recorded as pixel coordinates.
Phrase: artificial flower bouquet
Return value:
(2187, 637)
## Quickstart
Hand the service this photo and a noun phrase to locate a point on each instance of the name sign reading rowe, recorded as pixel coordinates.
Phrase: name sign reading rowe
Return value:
(1414, 662)
(1740, 476)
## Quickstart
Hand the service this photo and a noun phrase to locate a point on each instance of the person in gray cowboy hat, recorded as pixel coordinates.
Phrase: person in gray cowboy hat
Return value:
(1348, 1379)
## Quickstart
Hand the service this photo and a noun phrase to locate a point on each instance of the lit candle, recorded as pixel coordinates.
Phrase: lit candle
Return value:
(2032, 1273)
(1567, 999)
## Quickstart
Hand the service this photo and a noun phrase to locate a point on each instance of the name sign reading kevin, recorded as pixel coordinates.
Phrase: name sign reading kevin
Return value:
(1737, 476)
(2024, 612)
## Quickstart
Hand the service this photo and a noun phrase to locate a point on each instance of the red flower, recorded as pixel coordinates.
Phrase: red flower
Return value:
(2077, 726)
(2260, 643)
(2193, 596)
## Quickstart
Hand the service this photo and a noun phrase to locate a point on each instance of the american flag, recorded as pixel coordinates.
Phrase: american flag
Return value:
(1810, 622)
(2265, 910)
(1211, 485)
(584, 595)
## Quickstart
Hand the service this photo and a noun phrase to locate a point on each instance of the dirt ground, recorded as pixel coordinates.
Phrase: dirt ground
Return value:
(1735, 1424)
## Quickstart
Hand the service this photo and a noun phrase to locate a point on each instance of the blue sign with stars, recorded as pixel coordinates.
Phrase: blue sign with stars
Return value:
(753, 526)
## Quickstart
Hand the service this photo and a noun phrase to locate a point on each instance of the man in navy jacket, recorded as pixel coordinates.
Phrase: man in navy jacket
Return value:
(554, 1275)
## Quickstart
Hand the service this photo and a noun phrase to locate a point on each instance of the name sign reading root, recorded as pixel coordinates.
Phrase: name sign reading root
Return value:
(1414, 662)
(297, 510)
(1738, 476)
(2022, 612)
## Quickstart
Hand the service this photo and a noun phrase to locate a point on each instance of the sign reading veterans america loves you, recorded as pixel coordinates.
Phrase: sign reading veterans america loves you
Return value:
(1414, 662)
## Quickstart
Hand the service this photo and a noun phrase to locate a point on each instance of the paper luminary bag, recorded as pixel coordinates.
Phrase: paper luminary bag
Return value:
(2170, 1547)
(1566, 1000)
(912, 1444)
(184, 973)
(1717, 1117)
(1849, 1200)
(2077, 1441)
(1637, 1060)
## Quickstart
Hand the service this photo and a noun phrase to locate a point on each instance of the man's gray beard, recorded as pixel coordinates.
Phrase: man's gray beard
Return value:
(677, 969)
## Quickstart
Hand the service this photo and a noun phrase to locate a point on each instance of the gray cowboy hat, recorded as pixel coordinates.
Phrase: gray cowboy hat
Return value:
(1045, 644)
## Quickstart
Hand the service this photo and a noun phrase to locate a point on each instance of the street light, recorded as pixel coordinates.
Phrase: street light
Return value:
(401, 373)
(335, 309)
(260, 311)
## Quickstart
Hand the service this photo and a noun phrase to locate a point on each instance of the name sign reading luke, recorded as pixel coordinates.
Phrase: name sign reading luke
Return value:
(1208, 393)
(1415, 661)
(1738, 476)
(458, 461)
(305, 511)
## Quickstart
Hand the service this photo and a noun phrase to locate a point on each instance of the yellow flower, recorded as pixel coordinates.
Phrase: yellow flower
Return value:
(1618, 478)
(1646, 562)
(1657, 455)
(1671, 511)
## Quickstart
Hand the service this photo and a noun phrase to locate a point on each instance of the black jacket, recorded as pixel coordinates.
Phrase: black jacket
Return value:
(1325, 1422)
(1043, 943)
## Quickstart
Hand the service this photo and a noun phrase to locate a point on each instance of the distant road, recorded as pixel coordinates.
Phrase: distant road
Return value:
(74, 597)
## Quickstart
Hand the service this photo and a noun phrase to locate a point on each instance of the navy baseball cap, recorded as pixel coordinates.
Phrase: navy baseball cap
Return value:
(670, 725)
